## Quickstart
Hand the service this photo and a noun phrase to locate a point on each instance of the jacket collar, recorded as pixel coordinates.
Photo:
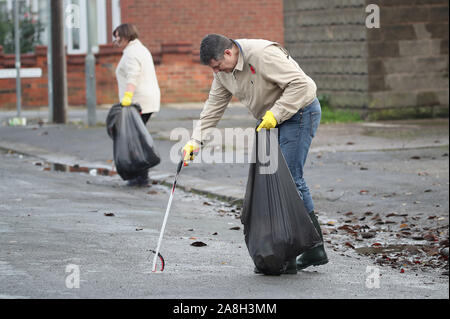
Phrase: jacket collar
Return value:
(132, 43)
(240, 64)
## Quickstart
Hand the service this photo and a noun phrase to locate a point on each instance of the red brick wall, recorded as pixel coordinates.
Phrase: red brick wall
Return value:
(172, 31)
(161, 21)
(34, 90)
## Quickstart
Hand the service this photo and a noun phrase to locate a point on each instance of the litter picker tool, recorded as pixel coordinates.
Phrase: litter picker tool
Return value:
(155, 258)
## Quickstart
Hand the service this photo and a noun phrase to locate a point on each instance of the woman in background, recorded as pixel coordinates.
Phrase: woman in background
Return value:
(136, 79)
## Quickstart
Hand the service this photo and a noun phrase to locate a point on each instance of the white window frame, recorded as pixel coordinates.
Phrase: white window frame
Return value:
(115, 14)
(101, 22)
(10, 8)
(82, 29)
(101, 28)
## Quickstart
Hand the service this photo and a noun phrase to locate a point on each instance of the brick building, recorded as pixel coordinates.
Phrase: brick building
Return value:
(398, 69)
(172, 30)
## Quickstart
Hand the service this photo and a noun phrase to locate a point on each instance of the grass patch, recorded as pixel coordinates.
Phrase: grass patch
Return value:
(332, 115)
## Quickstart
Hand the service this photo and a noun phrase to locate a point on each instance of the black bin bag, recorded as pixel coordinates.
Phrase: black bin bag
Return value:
(134, 149)
(277, 227)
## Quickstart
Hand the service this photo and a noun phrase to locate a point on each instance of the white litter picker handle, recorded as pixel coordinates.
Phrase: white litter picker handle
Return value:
(155, 258)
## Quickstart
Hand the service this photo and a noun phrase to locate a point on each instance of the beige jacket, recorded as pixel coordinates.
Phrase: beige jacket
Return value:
(265, 78)
(136, 67)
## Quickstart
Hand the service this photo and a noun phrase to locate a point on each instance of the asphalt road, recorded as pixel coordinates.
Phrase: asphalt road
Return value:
(52, 222)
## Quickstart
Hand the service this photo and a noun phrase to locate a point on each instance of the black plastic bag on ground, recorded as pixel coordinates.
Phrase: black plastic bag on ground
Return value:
(277, 227)
(134, 149)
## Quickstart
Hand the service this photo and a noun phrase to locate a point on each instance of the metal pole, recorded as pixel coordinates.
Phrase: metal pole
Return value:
(17, 45)
(58, 63)
(91, 97)
(49, 62)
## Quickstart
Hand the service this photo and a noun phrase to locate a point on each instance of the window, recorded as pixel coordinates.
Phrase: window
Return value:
(76, 37)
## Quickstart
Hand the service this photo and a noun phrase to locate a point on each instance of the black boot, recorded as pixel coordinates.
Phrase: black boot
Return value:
(315, 256)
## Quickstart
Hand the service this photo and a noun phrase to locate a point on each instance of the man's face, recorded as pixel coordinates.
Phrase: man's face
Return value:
(226, 64)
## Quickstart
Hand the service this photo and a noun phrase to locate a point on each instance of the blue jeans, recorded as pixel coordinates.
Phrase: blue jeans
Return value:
(295, 136)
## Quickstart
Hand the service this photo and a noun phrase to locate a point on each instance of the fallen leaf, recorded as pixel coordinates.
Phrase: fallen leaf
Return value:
(206, 204)
(348, 244)
(350, 143)
(376, 245)
(406, 233)
(363, 192)
(152, 192)
(368, 235)
(331, 223)
(430, 237)
(348, 213)
(376, 217)
(392, 214)
(198, 244)
(403, 225)
(193, 238)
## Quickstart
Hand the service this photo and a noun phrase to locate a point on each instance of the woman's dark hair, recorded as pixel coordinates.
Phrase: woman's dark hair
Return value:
(126, 31)
(213, 47)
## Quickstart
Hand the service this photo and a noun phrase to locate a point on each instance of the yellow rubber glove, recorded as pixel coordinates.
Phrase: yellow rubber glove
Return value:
(268, 121)
(189, 151)
(127, 97)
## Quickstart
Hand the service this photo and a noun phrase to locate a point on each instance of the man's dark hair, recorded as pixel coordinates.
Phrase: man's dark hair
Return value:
(213, 47)
(126, 31)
